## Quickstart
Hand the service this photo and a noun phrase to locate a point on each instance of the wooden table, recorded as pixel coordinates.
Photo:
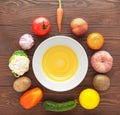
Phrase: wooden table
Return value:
(15, 20)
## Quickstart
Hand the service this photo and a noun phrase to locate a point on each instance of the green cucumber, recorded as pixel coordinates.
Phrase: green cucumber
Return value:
(59, 107)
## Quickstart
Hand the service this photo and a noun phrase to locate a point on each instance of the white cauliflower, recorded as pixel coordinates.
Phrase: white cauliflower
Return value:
(19, 63)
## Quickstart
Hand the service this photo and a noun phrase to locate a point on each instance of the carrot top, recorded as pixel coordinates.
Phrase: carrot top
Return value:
(60, 3)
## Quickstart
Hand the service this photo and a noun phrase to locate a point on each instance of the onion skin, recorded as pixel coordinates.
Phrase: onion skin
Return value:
(26, 41)
(102, 61)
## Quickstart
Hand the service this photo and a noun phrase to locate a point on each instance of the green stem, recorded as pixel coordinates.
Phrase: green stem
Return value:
(44, 26)
(60, 3)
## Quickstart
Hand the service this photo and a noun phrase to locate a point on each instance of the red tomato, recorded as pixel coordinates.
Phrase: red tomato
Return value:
(41, 26)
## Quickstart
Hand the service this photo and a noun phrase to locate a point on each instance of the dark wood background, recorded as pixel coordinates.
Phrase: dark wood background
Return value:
(15, 20)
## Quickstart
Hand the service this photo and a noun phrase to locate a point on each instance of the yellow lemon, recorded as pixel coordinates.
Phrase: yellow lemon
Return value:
(89, 98)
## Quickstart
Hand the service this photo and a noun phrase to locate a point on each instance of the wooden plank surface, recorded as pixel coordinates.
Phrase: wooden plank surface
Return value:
(15, 19)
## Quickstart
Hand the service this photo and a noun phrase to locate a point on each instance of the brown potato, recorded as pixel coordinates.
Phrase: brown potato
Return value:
(101, 82)
(21, 84)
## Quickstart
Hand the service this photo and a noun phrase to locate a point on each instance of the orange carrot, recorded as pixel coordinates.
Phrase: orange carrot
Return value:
(59, 16)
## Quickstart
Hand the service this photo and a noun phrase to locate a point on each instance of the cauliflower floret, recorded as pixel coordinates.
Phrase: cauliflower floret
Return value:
(19, 65)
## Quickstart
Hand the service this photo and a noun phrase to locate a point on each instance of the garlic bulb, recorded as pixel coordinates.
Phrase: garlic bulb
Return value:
(26, 41)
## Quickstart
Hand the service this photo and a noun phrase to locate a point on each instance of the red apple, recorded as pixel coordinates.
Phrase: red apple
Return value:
(102, 61)
(79, 26)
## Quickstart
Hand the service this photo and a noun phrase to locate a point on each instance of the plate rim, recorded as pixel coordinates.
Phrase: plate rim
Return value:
(49, 81)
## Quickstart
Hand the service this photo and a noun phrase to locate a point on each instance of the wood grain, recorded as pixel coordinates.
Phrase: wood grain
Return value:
(16, 17)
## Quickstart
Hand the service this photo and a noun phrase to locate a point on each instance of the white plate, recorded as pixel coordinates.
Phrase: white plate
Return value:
(68, 84)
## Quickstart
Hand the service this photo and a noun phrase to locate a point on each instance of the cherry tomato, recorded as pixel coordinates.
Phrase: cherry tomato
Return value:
(41, 26)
